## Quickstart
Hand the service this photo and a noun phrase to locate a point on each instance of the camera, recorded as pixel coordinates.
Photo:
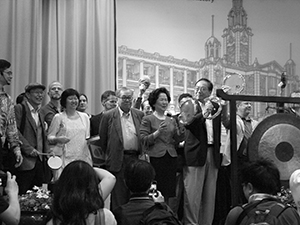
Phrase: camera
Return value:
(3, 180)
(153, 189)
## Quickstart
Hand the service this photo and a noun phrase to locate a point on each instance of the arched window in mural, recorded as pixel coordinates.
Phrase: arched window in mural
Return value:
(191, 78)
(219, 77)
(178, 76)
(120, 68)
(164, 75)
(149, 69)
(133, 70)
(206, 74)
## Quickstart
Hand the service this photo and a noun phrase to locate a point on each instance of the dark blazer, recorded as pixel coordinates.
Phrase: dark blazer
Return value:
(29, 136)
(111, 137)
(95, 123)
(195, 148)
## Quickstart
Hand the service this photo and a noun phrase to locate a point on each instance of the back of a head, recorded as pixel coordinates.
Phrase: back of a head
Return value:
(139, 175)
(263, 175)
(76, 192)
(20, 98)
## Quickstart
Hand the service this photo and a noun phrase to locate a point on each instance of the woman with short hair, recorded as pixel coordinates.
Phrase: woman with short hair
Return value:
(70, 130)
(160, 134)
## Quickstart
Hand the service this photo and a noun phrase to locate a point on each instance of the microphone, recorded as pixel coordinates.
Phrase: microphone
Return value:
(169, 114)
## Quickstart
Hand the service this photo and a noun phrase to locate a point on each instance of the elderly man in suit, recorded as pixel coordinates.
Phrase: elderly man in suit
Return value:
(33, 170)
(202, 153)
(120, 140)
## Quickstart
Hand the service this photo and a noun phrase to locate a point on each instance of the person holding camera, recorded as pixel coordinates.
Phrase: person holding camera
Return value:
(139, 176)
(10, 211)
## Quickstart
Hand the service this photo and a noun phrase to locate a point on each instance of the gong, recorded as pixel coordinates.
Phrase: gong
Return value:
(278, 138)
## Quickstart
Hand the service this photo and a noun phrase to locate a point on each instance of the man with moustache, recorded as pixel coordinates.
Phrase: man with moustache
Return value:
(120, 140)
(8, 127)
(49, 110)
(34, 169)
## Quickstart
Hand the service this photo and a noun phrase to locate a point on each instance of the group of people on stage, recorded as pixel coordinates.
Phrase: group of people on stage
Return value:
(128, 129)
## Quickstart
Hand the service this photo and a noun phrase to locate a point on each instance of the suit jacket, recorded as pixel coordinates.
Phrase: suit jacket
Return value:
(196, 145)
(111, 137)
(95, 123)
(29, 136)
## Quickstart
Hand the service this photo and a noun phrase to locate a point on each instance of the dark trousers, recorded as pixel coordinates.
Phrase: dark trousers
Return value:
(120, 194)
(26, 179)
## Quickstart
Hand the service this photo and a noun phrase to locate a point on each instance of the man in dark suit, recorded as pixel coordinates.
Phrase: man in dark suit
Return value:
(33, 170)
(120, 140)
(109, 101)
(202, 153)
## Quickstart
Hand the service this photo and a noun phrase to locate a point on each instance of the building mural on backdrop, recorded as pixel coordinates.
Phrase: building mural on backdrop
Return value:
(180, 75)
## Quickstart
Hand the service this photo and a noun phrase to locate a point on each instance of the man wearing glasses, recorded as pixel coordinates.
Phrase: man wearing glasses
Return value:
(34, 169)
(202, 154)
(8, 127)
(120, 140)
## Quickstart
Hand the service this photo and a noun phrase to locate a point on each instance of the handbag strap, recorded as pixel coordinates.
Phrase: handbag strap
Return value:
(100, 218)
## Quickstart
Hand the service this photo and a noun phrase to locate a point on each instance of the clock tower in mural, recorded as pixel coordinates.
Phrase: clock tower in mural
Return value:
(237, 38)
(180, 75)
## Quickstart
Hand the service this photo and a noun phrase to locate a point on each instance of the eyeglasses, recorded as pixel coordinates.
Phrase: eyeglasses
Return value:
(111, 101)
(201, 88)
(126, 98)
(8, 72)
(37, 92)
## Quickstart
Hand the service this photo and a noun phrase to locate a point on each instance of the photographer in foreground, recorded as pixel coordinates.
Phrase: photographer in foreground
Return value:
(139, 176)
(10, 211)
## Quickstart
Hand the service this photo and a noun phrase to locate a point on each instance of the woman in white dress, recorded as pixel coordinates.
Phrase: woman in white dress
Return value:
(69, 131)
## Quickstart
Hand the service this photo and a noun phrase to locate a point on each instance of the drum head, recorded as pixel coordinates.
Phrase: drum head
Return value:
(54, 162)
(187, 111)
(235, 81)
